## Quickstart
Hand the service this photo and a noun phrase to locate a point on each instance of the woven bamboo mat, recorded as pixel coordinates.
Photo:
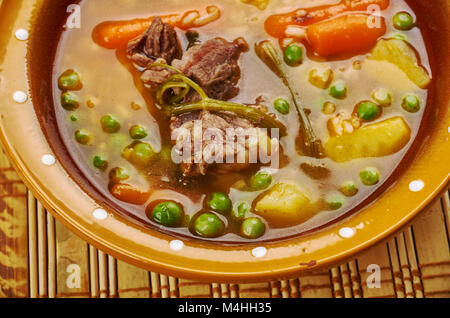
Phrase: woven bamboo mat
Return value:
(41, 258)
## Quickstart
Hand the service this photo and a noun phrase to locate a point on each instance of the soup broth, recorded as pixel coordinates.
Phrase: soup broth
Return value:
(353, 93)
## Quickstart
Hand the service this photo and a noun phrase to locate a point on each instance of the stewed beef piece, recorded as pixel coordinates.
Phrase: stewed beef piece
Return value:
(160, 41)
(214, 150)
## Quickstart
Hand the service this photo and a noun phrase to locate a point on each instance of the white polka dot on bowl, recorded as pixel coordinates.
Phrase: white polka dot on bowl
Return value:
(20, 97)
(100, 214)
(176, 245)
(22, 34)
(259, 252)
(416, 185)
(346, 232)
(48, 160)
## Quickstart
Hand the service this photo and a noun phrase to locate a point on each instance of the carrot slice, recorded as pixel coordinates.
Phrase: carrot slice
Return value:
(347, 34)
(276, 25)
(117, 34)
(128, 193)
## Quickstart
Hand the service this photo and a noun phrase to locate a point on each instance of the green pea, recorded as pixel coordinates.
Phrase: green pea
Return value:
(382, 97)
(240, 211)
(118, 174)
(403, 21)
(69, 101)
(74, 118)
(252, 228)
(349, 188)
(261, 180)
(70, 80)
(368, 111)
(168, 214)
(138, 132)
(293, 55)
(370, 176)
(83, 136)
(338, 90)
(100, 163)
(335, 201)
(110, 124)
(282, 106)
(139, 153)
(208, 225)
(411, 103)
(219, 202)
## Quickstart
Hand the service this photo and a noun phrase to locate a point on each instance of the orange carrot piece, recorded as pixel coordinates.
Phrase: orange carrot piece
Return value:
(127, 193)
(117, 34)
(347, 34)
(276, 25)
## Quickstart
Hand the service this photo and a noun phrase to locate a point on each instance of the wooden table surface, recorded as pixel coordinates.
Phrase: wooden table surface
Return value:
(41, 258)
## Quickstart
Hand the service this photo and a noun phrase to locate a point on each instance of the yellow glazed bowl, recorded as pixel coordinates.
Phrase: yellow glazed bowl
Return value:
(30, 138)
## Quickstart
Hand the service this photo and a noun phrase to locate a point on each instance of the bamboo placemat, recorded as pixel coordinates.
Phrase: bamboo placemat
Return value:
(41, 258)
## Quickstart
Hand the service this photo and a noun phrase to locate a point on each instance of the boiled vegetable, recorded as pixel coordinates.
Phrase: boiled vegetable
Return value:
(208, 225)
(403, 21)
(70, 80)
(128, 193)
(321, 78)
(380, 139)
(282, 106)
(369, 176)
(220, 202)
(349, 34)
(349, 188)
(261, 180)
(138, 132)
(411, 103)
(401, 54)
(174, 107)
(276, 25)
(382, 97)
(168, 214)
(293, 55)
(309, 144)
(117, 34)
(252, 228)
(139, 154)
(285, 205)
(110, 124)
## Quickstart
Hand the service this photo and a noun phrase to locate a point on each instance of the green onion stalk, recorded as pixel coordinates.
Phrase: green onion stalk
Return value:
(179, 86)
(311, 145)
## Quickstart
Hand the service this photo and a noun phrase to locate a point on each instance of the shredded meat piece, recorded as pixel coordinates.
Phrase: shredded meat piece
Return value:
(214, 66)
(214, 151)
(159, 41)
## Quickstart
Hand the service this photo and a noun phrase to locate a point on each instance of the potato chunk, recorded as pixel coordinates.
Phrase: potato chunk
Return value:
(285, 205)
(380, 139)
(401, 54)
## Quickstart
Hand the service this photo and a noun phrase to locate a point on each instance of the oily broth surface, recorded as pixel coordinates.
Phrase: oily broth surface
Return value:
(110, 85)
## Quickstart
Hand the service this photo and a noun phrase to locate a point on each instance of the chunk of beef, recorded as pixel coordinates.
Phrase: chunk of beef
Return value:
(214, 66)
(160, 41)
(215, 149)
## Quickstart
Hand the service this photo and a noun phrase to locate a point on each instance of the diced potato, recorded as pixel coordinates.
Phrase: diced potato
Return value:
(285, 205)
(321, 78)
(401, 54)
(380, 139)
